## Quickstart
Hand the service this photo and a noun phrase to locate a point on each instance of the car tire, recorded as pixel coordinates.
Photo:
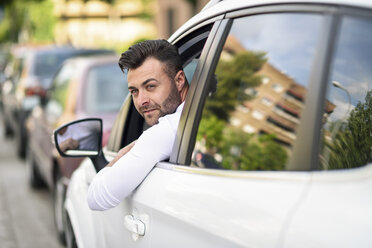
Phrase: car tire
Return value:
(69, 233)
(21, 140)
(59, 195)
(33, 175)
(8, 132)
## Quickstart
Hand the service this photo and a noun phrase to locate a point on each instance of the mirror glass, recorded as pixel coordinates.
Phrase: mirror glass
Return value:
(80, 138)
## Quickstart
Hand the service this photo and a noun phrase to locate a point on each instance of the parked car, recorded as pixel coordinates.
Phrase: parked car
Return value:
(4, 58)
(281, 99)
(12, 73)
(33, 70)
(83, 87)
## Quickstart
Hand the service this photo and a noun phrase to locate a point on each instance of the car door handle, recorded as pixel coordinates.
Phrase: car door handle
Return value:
(134, 225)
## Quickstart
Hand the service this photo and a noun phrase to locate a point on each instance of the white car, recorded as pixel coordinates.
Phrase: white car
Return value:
(274, 144)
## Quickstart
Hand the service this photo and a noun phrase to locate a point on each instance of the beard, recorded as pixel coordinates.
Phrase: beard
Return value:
(169, 106)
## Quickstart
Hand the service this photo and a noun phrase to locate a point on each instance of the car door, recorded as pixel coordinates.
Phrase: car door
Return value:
(113, 228)
(336, 210)
(228, 182)
(102, 229)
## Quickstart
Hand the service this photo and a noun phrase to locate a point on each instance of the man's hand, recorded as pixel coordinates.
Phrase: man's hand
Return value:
(69, 144)
(121, 153)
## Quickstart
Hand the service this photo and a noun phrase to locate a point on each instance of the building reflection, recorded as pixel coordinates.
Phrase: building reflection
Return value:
(275, 106)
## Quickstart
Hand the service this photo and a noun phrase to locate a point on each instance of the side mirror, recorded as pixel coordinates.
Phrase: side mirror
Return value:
(81, 138)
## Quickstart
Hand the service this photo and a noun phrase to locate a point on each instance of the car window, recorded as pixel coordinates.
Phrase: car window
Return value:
(46, 64)
(347, 123)
(106, 89)
(262, 75)
(57, 101)
(189, 69)
(129, 124)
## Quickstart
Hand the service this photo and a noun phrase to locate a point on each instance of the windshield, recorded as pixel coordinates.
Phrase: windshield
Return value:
(46, 64)
(106, 89)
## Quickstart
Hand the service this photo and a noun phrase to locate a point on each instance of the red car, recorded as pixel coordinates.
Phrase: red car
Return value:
(83, 87)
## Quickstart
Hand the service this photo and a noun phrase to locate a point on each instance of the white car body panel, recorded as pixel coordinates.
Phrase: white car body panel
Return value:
(197, 208)
(94, 228)
(83, 221)
(336, 211)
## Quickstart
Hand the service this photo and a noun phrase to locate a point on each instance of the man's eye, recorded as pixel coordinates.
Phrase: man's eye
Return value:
(150, 86)
(133, 92)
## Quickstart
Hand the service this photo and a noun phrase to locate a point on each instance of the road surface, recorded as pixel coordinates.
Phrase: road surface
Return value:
(26, 215)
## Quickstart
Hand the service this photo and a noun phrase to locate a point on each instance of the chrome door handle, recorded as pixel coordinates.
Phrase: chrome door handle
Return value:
(134, 225)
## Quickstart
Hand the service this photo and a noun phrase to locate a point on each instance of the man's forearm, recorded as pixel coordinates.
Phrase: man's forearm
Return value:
(121, 153)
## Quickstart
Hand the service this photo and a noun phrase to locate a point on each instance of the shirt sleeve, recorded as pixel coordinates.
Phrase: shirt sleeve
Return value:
(112, 184)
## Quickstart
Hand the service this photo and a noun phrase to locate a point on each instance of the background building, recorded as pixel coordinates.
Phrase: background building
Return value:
(119, 24)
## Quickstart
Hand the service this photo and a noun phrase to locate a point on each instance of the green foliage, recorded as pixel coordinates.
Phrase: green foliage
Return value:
(351, 146)
(234, 77)
(210, 129)
(239, 150)
(42, 21)
(34, 16)
(12, 22)
(245, 152)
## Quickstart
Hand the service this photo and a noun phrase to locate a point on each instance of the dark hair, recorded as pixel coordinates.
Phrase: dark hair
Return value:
(161, 50)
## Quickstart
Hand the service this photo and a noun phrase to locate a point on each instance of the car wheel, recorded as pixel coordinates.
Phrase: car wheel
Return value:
(59, 193)
(8, 132)
(33, 175)
(69, 234)
(21, 140)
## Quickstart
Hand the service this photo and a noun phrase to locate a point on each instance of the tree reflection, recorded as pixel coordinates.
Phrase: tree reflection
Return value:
(351, 146)
(225, 145)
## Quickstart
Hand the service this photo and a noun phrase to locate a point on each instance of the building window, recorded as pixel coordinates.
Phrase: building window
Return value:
(277, 88)
(266, 101)
(251, 92)
(258, 115)
(235, 122)
(265, 80)
(249, 129)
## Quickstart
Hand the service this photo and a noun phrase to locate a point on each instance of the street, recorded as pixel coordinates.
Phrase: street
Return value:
(26, 215)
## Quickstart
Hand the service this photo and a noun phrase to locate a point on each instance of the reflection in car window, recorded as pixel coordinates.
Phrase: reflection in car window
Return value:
(106, 89)
(250, 122)
(347, 126)
(189, 69)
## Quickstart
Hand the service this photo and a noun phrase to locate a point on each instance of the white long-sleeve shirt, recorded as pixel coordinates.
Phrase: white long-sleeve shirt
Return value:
(112, 184)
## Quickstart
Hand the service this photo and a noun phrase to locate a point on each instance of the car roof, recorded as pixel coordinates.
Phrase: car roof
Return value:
(215, 8)
(68, 49)
(87, 61)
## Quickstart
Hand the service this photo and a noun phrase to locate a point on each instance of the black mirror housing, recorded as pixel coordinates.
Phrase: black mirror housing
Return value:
(80, 138)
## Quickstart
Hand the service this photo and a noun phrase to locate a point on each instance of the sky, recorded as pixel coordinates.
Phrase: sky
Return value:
(290, 41)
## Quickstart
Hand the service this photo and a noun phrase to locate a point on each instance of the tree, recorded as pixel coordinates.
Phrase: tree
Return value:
(234, 77)
(351, 146)
(239, 150)
(35, 16)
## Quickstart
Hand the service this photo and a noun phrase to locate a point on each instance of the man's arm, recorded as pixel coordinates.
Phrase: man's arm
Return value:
(121, 153)
(113, 183)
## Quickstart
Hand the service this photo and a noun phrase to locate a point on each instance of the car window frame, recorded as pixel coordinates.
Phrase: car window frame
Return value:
(305, 154)
(122, 125)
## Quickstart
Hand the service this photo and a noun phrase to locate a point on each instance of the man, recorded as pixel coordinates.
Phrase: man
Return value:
(158, 86)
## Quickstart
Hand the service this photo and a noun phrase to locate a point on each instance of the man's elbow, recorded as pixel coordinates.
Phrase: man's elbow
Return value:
(99, 201)
(94, 205)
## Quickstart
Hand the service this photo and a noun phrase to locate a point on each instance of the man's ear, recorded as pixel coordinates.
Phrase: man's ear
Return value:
(180, 80)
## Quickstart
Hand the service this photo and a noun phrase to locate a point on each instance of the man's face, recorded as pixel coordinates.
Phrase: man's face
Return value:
(154, 93)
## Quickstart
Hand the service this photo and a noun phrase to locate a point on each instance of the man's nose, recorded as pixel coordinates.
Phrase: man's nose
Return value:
(143, 98)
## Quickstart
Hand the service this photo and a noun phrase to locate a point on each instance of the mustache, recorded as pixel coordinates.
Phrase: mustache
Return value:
(148, 107)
